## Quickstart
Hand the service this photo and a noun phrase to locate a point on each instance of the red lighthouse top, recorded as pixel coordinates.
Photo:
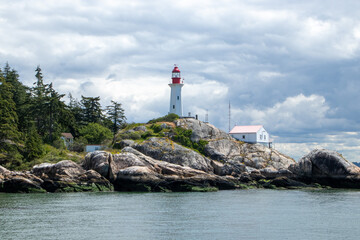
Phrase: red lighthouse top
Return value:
(176, 75)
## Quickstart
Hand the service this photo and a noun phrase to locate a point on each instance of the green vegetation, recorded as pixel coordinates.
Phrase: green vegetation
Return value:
(183, 137)
(33, 118)
(95, 133)
(168, 118)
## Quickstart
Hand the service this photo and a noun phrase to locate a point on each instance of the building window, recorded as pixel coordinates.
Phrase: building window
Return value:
(178, 97)
(243, 136)
(260, 137)
(264, 137)
(173, 106)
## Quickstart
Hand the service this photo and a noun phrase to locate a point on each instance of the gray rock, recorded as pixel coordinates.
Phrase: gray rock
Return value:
(131, 170)
(222, 147)
(166, 150)
(140, 128)
(327, 168)
(201, 130)
(127, 143)
(323, 163)
(98, 161)
(71, 177)
(19, 182)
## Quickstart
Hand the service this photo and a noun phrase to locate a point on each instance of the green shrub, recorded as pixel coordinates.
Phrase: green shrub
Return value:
(156, 128)
(146, 135)
(130, 135)
(167, 118)
(183, 136)
(95, 133)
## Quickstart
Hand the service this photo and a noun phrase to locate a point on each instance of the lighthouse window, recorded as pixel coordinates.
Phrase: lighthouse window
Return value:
(173, 106)
(178, 97)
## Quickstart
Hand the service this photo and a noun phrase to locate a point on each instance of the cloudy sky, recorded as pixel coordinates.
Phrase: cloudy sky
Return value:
(292, 66)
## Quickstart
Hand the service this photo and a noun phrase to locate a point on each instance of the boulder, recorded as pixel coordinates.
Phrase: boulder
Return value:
(67, 176)
(201, 130)
(98, 161)
(132, 170)
(166, 150)
(19, 182)
(327, 168)
(141, 128)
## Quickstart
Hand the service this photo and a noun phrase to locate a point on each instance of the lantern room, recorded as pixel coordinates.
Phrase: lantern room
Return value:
(176, 75)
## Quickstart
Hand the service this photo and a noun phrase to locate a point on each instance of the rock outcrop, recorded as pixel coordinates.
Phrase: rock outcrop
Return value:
(64, 176)
(234, 154)
(327, 168)
(166, 150)
(132, 170)
(19, 182)
(67, 176)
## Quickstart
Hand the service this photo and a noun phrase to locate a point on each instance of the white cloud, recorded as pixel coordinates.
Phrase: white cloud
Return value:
(295, 114)
(289, 65)
(349, 147)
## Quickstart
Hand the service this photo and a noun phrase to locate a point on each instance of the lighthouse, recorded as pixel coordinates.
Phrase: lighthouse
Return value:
(175, 96)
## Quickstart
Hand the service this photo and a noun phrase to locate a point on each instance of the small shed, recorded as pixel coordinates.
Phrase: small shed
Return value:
(251, 134)
(67, 138)
(93, 148)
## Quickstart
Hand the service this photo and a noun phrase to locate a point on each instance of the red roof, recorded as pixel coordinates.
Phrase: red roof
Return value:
(246, 129)
(176, 69)
(67, 135)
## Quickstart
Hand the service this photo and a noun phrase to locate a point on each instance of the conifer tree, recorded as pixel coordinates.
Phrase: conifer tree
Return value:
(33, 144)
(10, 137)
(21, 97)
(115, 114)
(39, 98)
(91, 110)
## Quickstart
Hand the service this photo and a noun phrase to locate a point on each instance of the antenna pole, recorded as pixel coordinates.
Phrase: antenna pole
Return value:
(229, 115)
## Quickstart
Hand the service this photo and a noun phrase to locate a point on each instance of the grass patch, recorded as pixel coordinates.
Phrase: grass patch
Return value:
(167, 118)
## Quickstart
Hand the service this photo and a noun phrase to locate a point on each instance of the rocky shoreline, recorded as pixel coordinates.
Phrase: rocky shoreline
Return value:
(159, 164)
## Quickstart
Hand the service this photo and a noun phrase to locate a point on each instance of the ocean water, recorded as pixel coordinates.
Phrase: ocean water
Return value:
(237, 214)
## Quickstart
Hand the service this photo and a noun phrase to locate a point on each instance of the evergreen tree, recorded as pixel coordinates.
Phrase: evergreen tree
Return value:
(33, 145)
(76, 112)
(39, 100)
(21, 97)
(115, 114)
(55, 111)
(49, 111)
(9, 135)
(91, 110)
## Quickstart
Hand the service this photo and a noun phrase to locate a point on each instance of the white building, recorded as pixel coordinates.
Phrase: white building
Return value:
(93, 148)
(175, 96)
(251, 134)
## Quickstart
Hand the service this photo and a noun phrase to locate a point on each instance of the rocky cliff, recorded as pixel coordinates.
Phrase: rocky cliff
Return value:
(187, 155)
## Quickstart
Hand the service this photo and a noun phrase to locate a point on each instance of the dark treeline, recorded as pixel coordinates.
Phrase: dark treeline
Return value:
(33, 116)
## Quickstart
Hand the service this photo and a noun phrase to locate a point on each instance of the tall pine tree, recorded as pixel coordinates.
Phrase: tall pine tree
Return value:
(39, 100)
(21, 97)
(10, 137)
(91, 110)
(115, 113)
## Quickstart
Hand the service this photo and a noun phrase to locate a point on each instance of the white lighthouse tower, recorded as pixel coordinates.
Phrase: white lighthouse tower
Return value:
(175, 96)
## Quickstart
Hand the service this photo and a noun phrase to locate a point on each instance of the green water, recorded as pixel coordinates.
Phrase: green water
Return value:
(240, 214)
